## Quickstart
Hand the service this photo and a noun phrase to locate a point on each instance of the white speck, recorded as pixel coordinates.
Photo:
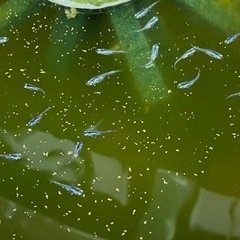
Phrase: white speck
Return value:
(134, 211)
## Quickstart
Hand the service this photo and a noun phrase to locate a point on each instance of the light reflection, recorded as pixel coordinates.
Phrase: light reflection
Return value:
(109, 177)
(45, 152)
(170, 192)
(129, 182)
(216, 214)
(26, 222)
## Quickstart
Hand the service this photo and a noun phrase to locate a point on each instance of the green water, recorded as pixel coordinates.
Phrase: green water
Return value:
(169, 171)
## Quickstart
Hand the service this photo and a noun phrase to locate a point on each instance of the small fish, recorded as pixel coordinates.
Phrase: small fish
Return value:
(77, 149)
(188, 84)
(33, 88)
(4, 40)
(37, 119)
(99, 78)
(96, 133)
(144, 11)
(153, 56)
(12, 156)
(71, 189)
(106, 52)
(232, 38)
(209, 52)
(233, 95)
(149, 24)
(187, 54)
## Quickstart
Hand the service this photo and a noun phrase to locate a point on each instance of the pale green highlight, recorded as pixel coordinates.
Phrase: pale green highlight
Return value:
(148, 81)
(223, 14)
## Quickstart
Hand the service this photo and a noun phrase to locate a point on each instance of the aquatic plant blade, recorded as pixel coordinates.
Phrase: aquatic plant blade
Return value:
(222, 14)
(148, 81)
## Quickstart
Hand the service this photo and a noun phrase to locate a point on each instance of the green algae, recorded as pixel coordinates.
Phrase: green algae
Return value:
(15, 11)
(224, 14)
(149, 82)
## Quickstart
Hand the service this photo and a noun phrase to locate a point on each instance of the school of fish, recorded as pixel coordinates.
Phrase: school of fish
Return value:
(154, 52)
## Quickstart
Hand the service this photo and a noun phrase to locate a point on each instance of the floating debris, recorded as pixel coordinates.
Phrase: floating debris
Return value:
(71, 12)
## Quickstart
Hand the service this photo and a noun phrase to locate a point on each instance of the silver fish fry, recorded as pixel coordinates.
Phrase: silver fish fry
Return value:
(77, 149)
(188, 84)
(11, 156)
(153, 56)
(187, 54)
(149, 24)
(99, 78)
(96, 133)
(144, 11)
(209, 52)
(37, 119)
(104, 51)
(34, 88)
(3, 40)
(233, 95)
(232, 38)
(71, 189)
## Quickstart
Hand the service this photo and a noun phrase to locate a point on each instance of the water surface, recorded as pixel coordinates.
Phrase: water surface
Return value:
(165, 170)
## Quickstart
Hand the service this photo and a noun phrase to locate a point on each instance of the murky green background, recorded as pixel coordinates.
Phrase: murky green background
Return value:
(170, 171)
